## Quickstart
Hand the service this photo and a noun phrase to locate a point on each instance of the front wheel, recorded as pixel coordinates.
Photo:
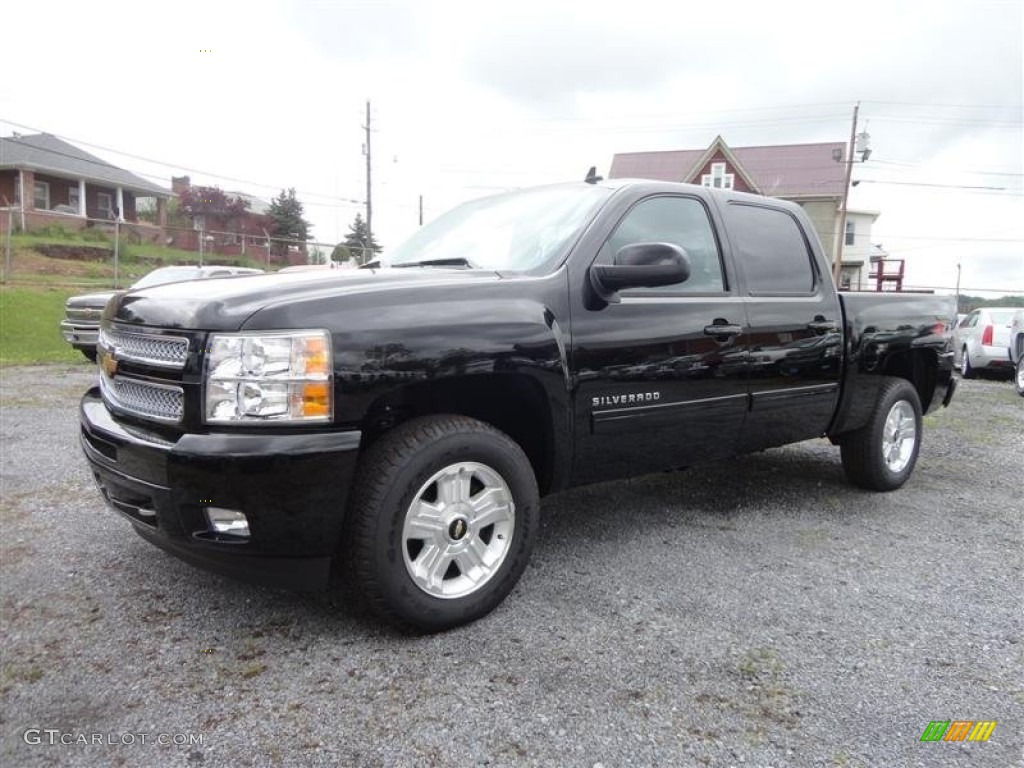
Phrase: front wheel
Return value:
(881, 455)
(1018, 376)
(441, 522)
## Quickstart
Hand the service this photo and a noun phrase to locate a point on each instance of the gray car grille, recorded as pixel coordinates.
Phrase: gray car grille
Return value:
(84, 315)
(162, 351)
(161, 402)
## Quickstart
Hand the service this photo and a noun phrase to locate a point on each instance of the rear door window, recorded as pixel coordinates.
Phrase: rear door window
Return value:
(771, 250)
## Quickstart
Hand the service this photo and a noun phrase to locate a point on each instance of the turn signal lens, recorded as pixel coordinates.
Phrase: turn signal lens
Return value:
(315, 400)
(315, 356)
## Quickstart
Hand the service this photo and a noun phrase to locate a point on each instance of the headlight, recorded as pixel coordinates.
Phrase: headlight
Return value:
(259, 377)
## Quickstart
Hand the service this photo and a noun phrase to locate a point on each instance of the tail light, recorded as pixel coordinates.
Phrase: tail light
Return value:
(986, 336)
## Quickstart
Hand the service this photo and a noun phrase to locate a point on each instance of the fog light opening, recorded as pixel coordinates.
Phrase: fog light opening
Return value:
(229, 522)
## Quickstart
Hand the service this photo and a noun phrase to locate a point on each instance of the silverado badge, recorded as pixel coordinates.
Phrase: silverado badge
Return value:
(630, 398)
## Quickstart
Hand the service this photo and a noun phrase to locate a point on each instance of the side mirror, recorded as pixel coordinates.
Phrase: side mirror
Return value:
(641, 265)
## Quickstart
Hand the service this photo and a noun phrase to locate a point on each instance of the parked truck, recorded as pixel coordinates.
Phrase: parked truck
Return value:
(396, 427)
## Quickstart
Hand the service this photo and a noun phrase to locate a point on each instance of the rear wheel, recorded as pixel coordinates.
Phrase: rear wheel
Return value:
(965, 365)
(881, 455)
(441, 522)
(1018, 376)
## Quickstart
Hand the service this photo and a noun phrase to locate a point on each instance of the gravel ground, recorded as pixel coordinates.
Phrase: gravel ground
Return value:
(758, 613)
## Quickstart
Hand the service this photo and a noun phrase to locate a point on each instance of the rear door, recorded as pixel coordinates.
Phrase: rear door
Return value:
(795, 337)
(660, 372)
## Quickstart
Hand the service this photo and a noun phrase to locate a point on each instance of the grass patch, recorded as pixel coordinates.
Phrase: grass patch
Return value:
(30, 327)
(249, 671)
(12, 675)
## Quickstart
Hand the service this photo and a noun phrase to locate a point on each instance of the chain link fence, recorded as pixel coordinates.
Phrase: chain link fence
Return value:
(118, 249)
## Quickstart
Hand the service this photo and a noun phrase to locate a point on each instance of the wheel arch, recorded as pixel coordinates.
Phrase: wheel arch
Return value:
(918, 366)
(514, 403)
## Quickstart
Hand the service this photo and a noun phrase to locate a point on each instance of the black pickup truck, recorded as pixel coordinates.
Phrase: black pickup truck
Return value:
(397, 426)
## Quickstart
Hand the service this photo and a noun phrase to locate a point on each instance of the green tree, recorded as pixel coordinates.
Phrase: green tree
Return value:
(340, 253)
(359, 242)
(288, 223)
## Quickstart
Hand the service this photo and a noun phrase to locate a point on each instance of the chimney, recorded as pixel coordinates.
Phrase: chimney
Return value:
(180, 184)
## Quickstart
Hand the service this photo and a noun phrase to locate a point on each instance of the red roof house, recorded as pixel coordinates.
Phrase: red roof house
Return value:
(809, 174)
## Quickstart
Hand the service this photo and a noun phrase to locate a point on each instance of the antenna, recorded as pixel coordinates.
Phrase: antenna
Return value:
(592, 177)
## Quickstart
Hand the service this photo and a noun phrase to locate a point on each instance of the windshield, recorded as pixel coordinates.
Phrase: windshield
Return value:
(514, 232)
(167, 275)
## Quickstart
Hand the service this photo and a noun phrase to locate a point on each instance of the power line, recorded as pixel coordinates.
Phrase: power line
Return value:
(948, 121)
(943, 106)
(926, 184)
(948, 170)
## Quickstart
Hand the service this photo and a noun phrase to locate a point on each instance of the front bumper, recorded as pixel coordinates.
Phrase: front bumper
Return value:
(80, 336)
(291, 487)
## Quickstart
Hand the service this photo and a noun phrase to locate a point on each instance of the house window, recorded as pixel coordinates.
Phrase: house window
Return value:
(849, 278)
(41, 195)
(718, 178)
(105, 204)
(73, 198)
(849, 232)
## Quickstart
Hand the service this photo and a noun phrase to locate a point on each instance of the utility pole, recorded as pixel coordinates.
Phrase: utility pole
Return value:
(841, 239)
(421, 210)
(369, 186)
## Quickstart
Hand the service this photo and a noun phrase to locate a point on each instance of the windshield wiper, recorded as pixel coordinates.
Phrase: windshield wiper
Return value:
(457, 261)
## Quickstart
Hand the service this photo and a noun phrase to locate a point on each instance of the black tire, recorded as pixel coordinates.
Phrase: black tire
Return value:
(391, 476)
(966, 369)
(864, 451)
(1018, 376)
(90, 354)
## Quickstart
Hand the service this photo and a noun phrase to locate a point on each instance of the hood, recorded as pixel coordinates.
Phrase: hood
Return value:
(224, 304)
(91, 300)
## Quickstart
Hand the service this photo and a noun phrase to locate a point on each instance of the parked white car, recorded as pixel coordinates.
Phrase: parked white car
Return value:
(982, 339)
(81, 325)
(1016, 350)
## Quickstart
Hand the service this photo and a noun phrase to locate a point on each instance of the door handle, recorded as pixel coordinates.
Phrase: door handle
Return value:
(821, 325)
(722, 329)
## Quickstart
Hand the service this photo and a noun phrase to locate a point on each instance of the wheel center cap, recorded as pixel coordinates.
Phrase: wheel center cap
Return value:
(458, 528)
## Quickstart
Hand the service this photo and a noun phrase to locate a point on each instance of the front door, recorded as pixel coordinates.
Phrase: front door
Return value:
(659, 374)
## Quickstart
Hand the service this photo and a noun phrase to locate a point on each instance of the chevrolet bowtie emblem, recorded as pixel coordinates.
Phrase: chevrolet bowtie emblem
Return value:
(457, 529)
(108, 363)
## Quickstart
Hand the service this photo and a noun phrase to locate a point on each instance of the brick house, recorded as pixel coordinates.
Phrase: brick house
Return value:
(46, 181)
(811, 175)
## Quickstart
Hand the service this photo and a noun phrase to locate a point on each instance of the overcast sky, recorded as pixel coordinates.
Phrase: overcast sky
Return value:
(470, 98)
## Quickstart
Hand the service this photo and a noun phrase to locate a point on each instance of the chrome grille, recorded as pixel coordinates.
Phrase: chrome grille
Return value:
(85, 315)
(161, 402)
(162, 351)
